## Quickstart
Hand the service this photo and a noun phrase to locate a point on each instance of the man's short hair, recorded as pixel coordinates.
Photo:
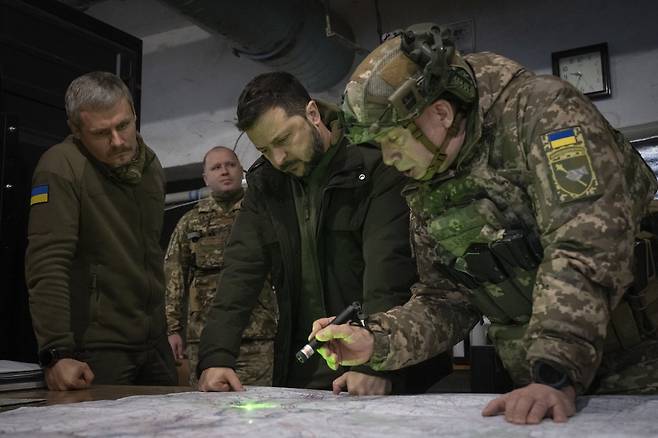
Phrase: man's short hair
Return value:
(98, 90)
(267, 91)
(220, 148)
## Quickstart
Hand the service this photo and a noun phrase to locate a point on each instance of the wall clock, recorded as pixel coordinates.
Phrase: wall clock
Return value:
(586, 68)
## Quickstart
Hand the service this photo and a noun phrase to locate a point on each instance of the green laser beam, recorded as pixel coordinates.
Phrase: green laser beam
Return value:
(253, 406)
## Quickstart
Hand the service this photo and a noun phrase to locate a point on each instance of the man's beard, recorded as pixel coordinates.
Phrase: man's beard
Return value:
(317, 151)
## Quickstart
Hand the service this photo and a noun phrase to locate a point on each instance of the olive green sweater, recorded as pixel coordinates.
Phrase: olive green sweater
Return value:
(93, 264)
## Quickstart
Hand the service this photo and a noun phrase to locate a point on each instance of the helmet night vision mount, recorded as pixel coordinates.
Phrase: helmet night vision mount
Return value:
(431, 49)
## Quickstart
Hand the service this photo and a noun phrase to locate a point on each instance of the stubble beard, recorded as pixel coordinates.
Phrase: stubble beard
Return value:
(317, 151)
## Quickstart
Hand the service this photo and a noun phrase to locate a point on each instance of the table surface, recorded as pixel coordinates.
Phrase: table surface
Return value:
(286, 412)
(95, 392)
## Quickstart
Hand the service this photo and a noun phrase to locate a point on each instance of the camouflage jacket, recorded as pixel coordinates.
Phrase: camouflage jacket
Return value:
(193, 262)
(548, 162)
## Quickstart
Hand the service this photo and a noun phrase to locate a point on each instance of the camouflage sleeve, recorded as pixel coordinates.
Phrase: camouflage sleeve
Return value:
(584, 209)
(437, 316)
(177, 265)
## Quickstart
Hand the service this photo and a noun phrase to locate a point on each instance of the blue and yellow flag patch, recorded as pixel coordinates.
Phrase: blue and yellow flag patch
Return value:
(39, 194)
(563, 138)
(571, 167)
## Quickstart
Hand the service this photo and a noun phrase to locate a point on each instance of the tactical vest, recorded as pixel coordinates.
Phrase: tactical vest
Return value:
(207, 239)
(495, 254)
(207, 247)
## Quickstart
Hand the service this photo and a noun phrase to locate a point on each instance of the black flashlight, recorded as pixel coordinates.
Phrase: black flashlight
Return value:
(346, 315)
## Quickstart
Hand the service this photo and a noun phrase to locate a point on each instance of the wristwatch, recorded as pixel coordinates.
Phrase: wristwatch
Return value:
(547, 374)
(48, 357)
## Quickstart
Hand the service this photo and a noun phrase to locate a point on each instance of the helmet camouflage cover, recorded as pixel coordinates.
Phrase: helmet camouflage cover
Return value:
(400, 78)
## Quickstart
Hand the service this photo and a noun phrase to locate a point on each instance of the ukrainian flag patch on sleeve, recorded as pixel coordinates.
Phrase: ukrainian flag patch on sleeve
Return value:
(563, 138)
(39, 194)
(571, 167)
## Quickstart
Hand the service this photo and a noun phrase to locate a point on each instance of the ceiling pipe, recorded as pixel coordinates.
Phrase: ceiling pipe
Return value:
(287, 35)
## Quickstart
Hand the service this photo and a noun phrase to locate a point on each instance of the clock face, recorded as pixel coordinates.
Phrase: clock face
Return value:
(584, 71)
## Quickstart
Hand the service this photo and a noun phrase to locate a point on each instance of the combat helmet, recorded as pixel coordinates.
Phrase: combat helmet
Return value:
(400, 78)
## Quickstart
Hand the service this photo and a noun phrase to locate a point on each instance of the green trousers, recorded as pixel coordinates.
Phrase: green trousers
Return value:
(154, 366)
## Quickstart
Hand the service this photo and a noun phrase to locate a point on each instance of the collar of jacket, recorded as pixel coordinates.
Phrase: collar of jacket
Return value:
(104, 168)
(348, 169)
(330, 115)
(209, 204)
(492, 73)
(413, 186)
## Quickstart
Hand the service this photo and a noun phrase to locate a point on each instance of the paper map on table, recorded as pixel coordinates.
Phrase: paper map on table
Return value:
(283, 412)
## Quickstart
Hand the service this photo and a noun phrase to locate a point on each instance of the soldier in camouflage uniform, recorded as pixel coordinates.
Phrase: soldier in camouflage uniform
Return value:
(527, 209)
(193, 263)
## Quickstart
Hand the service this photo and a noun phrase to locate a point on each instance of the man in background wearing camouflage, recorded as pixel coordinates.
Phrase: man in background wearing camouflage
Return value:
(527, 209)
(193, 263)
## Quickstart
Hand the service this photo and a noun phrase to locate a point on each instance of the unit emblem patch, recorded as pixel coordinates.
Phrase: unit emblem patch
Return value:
(571, 167)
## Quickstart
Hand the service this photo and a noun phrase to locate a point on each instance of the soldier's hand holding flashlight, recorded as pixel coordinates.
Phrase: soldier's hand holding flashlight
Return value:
(345, 344)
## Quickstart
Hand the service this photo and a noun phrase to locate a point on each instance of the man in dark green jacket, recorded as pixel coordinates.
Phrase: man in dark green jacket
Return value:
(327, 219)
(93, 264)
